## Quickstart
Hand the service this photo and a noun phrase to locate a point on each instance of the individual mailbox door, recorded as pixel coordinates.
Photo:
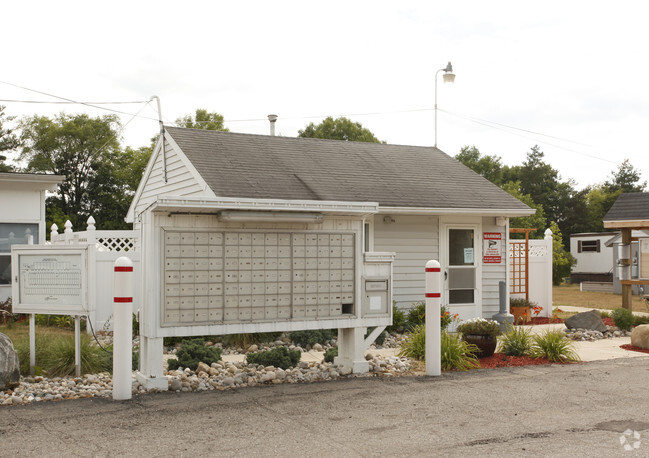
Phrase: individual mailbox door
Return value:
(375, 297)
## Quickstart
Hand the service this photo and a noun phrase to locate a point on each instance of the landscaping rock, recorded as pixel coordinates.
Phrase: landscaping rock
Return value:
(9, 365)
(640, 336)
(591, 321)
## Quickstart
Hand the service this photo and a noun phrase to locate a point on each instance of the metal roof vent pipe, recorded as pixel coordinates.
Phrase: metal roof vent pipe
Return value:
(272, 118)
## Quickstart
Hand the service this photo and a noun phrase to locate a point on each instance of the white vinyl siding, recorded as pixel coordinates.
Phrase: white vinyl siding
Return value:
(492, 274)
(180, 181)
(415, 240)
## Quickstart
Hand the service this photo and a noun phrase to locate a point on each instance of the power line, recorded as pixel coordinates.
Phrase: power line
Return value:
(70, 100)
(470, 118)
(71, 103)
(487, 124)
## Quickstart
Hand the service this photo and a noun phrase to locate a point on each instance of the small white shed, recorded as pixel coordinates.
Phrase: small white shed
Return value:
(334, 215)
(22, 214)
(594, 257)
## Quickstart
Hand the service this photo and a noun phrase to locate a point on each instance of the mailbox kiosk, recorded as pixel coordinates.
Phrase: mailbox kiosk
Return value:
(223, 266)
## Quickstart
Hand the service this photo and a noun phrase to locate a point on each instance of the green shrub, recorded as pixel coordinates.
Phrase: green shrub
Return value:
(55, 355)
(311, 337)
(414, 345)
(517, 341)
(278, 357)
(245, 340)
(398, 320)
(107, 357)
(639, 319)
(192, 352)
(136, 325)
(445, 318)
(519, 302)
(330, 354)
(456, 354)
(623, 318)
(416, 315)
(604, 314)
(380, 339)
(554, 346)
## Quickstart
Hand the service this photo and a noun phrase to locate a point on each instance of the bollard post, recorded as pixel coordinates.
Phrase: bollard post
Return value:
(433, 311)
(122, 328)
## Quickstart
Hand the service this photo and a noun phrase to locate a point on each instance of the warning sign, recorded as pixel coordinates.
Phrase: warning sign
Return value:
(492, 252)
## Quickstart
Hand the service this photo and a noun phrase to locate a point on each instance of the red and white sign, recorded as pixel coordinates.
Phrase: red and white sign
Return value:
(492, 252)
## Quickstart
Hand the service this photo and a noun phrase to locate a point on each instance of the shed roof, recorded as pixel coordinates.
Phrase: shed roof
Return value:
(629, 210)
(263, 167)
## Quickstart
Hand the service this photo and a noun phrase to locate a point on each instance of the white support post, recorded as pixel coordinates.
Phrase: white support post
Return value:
(548, 265)
(351, 350)
(433, 320)
(77, 345)
(32, 343)
(122, 329)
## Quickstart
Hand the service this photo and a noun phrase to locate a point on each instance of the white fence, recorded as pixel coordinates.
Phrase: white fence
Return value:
(104, 248)
(540, 273)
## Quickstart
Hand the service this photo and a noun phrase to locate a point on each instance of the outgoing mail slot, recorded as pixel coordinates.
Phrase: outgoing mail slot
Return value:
(376, 285)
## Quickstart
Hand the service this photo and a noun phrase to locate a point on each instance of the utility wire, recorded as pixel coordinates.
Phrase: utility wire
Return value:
(592, 156)
(470, 118)
(71, 103)
(70, 100)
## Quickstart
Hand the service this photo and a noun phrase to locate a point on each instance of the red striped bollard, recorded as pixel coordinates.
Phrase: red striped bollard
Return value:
(122, 328)
(433, 311)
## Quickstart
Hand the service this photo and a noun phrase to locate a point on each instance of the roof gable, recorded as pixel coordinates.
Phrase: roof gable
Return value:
(258, 166)
(632, 206)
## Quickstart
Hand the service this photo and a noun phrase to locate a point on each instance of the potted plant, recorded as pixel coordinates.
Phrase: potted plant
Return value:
(482, 333)
(521, 309)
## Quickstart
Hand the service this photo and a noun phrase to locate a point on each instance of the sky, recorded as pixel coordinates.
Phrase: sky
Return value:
(569, 76)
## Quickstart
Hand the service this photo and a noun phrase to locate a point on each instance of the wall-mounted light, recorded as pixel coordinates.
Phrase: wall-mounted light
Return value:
(269, 217)
(501, 221)
(387, 219)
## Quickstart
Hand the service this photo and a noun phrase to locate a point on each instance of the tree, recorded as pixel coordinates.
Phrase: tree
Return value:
(562, 260)
(8, 140)
(625, 179)
(84, 150)
(339, 129)
(536, 221)
(202, 119)
(490, 167)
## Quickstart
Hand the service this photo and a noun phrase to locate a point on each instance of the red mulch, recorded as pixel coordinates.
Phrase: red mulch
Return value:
(502, 360)
(632, 348)
(543, 320)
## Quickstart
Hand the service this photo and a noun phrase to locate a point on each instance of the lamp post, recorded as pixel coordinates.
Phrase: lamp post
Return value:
(448, 77)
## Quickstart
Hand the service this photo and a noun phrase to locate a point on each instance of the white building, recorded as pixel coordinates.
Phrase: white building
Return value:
(594, 257)
(22, 213)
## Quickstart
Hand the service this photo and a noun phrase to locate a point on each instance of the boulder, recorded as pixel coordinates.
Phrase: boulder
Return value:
(640, 336)
(9, 365)
(590, 321)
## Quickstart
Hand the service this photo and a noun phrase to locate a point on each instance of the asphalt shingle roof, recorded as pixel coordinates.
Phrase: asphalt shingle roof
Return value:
(259, 166)
(630, 207)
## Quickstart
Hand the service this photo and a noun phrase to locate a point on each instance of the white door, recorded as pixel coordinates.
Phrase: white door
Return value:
(461, 255)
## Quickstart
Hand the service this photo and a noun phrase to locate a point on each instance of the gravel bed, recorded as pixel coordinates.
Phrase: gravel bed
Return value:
(218, 376)
(585, 334)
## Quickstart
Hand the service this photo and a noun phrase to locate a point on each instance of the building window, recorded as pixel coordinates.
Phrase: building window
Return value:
(586, 246)
(13, 234)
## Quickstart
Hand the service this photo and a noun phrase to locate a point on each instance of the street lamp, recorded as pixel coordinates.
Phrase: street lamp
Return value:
(448, 77)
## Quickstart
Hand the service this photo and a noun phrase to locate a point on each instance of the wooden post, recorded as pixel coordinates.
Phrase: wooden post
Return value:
(627, 291)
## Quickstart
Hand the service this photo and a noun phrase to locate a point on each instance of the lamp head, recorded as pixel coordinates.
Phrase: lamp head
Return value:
(449, 76)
